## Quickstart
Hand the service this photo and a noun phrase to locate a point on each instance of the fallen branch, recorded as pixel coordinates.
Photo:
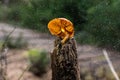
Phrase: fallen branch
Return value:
(27, 68)
(110, 64)
(3, 57)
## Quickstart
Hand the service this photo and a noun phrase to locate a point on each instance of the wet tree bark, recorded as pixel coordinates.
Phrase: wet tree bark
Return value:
(64, 61)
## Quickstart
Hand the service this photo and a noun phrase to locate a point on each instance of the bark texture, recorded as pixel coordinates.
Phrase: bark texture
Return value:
(64, 61)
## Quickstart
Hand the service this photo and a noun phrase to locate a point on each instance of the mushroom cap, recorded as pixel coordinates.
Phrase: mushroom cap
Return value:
(60, 27)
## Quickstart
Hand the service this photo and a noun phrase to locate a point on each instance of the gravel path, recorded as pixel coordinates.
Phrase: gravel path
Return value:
(17, 61)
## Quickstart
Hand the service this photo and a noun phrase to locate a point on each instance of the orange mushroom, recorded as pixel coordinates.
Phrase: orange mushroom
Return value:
(62, 28)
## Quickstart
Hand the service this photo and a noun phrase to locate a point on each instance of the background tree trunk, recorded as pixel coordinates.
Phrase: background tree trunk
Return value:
(64, 61)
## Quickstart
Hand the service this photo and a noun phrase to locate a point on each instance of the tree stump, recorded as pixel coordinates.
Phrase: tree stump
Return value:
(64, 61)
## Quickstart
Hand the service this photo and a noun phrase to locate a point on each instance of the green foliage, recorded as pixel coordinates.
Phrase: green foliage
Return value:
(12, 11)
(96, 22)
(1, 43)
(35, 14)
(14, 14)
(18, 42)
(103, 24)
(3, 12)
(39, 61)
(84, 37)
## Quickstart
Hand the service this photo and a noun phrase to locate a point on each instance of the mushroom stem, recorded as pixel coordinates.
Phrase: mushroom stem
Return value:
(65, 39)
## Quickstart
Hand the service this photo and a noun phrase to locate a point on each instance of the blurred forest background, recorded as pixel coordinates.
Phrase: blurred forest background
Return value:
(96, 22)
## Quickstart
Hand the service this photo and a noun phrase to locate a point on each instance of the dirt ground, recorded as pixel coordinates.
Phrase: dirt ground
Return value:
(89, 56)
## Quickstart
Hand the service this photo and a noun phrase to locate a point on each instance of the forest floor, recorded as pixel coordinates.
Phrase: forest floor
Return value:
(88, 56)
